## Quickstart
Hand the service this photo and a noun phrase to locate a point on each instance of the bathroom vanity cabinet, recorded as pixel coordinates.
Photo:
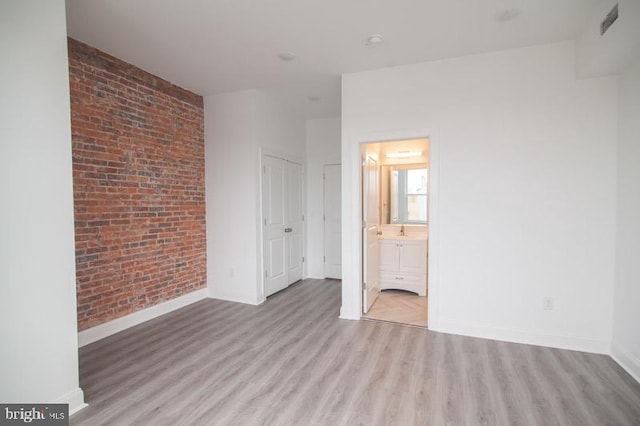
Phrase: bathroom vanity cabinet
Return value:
(403, 265)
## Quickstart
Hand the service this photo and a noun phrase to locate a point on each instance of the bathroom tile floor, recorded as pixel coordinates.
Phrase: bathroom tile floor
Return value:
(399, 307)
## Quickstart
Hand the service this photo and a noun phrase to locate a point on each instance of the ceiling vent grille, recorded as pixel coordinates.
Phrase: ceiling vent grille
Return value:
(609, 20)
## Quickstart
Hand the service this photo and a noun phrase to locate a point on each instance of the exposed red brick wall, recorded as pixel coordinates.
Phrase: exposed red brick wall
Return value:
(138, 180)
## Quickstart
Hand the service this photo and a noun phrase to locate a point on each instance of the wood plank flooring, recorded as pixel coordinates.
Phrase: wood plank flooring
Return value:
(401, 307)
(291, 361)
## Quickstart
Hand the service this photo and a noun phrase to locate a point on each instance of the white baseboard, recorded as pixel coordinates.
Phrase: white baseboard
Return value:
(235, 298)
(101, 331)
(348, 314)
(75, 399)
(529, 337)
(626, 360)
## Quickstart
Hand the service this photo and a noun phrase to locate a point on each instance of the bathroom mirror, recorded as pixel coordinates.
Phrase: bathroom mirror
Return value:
(403, 194)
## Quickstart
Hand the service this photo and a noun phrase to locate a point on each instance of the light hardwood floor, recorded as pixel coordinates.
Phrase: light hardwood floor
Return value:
(401, 307)
(291, 361)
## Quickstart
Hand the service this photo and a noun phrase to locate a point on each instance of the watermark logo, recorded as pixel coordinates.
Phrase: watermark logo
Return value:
(34, 414)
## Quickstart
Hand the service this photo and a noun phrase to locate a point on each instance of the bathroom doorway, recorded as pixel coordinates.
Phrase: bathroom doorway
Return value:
(395, 211)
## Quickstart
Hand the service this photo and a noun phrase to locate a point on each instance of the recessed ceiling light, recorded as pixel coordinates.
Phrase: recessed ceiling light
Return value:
(314, 98)
(287, 56)
(507, 15)
(404, 154)
(374, 40)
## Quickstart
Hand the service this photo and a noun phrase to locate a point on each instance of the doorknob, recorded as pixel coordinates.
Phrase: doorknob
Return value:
(288, 229)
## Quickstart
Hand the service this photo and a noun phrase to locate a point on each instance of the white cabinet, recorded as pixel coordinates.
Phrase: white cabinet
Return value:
(403, 265)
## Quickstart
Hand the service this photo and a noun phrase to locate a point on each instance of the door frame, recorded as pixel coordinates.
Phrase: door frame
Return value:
(352, 253)
(262, 152)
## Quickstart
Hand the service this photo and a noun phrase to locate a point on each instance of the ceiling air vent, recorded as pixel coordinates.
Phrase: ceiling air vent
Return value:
(609, 20)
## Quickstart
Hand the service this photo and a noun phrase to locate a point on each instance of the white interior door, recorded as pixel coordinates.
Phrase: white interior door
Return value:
(332, 221)
(294, 222)
(275, 250)
(371, 247)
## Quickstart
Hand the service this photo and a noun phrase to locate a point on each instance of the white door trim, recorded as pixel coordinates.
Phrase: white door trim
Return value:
(352, 215)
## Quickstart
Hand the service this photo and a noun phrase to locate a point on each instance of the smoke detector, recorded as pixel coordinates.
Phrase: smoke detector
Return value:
(507, 15)
(286, 56)
(374, 40)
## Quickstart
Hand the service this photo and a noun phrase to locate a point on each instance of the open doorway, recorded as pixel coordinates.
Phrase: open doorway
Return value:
(395, 203)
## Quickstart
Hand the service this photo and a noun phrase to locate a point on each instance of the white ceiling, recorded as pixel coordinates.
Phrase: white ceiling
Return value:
(214, 46)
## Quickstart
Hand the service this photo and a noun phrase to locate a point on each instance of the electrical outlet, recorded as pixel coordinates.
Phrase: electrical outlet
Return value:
(547, 303)
(232, 272)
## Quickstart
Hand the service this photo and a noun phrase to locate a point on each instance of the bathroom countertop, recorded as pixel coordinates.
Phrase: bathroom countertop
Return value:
(422, 237)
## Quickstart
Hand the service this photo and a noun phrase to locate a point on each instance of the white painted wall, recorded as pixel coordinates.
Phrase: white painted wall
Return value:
(323, 147)
(231, 174)
(279, 128)
(599, 55)
(237, 126)
(524, 164)
(39, 349)
(626, 320)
